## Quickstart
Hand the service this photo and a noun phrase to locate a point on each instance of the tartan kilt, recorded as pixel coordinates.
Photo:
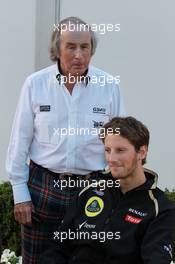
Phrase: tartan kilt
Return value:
(50, 204)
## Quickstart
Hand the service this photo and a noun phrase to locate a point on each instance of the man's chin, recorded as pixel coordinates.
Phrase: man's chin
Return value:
(78, 71)
(118, 173)
(115, 174)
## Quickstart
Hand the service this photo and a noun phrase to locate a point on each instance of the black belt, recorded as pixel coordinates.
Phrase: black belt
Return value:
(66, 175)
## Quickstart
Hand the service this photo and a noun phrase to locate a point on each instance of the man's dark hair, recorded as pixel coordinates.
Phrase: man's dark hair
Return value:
(130, 128)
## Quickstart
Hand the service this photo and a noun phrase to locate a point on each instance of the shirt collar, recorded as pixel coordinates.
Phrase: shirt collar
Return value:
(60, 77)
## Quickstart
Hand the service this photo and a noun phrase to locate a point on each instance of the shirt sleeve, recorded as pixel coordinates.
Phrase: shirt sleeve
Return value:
(20, 140)
(118, 108)
(158, 240)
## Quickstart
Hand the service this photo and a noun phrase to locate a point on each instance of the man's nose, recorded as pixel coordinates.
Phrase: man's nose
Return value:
(113, 157)
(78, 53)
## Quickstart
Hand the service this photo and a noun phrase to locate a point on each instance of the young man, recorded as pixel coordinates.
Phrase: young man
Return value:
(133, 223)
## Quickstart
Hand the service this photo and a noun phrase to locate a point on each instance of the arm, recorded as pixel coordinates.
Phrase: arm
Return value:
(16, 162)
(157, 243)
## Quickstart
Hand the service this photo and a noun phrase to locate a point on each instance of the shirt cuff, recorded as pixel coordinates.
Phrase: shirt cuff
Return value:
(21, 193)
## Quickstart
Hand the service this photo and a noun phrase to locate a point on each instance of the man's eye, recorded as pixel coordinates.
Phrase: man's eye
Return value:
(121, 150)
(107, 150)
(85, 47)
(71, 47)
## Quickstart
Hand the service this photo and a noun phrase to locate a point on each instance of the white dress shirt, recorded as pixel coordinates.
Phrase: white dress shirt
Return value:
(44, 126)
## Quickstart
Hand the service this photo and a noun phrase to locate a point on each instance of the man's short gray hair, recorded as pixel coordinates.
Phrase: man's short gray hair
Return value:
(55, 38)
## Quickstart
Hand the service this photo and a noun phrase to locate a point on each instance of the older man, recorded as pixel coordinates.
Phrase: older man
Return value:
(60, 110)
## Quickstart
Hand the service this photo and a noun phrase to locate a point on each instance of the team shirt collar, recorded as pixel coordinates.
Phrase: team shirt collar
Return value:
(60, 77)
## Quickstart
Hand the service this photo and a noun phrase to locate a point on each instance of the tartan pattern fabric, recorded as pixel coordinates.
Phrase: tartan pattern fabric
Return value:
(50, 203)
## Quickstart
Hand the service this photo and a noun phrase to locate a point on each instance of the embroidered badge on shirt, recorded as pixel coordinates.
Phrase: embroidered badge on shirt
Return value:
(99, 110)
(137, 212)
(86, 225)
(168, 248)
(97, 124)
(94, 206)
(132, 219)
(44, 108)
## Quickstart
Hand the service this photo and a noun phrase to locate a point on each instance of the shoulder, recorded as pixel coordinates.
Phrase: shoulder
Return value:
(102, 77)
(163, 202)
(42, 74)
(97, 71)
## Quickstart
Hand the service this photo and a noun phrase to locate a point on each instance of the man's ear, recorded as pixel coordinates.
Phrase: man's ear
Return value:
(143, 152)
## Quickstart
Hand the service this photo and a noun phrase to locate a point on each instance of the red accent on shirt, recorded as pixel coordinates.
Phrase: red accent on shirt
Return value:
(132, 219)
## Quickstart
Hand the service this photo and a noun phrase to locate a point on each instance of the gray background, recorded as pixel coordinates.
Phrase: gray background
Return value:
(142, 53)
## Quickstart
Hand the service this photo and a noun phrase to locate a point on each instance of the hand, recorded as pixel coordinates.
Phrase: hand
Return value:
(23, 213)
